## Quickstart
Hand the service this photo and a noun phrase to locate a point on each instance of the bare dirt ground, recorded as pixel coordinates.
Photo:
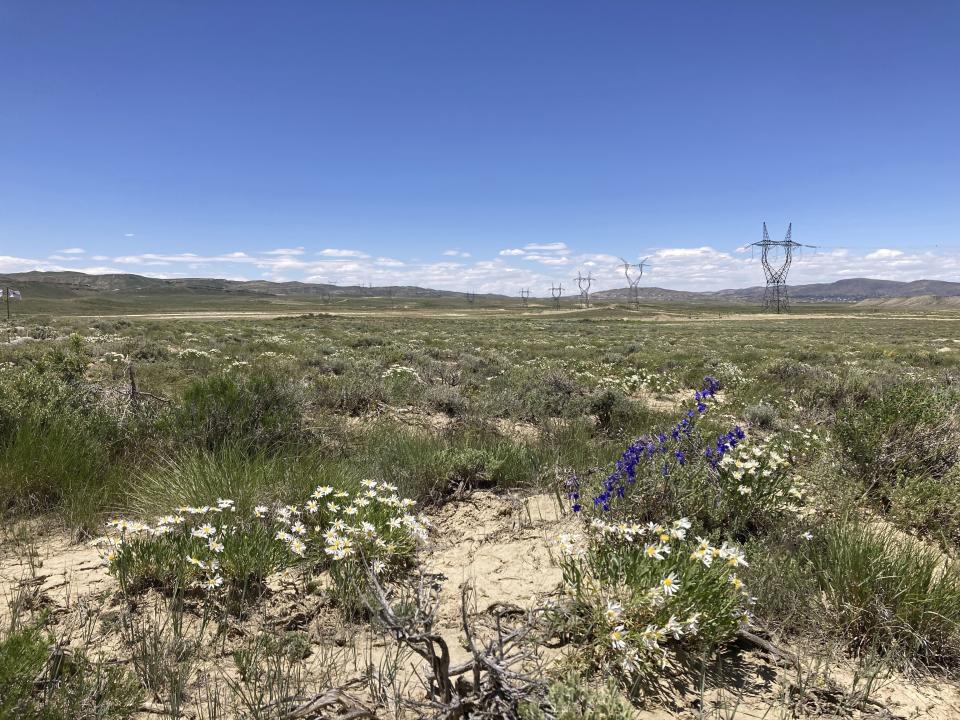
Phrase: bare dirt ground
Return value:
(504, 547)
(655, 317)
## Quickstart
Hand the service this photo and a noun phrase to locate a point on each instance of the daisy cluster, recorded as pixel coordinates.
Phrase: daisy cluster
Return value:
(374, 525)
(649, 585)
(753, 466)
(113, 358)
(400, 371)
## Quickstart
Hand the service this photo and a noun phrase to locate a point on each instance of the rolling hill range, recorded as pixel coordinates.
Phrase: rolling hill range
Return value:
(122, 290)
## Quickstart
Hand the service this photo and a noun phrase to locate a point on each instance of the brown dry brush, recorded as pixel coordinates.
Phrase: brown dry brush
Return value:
(503, 673)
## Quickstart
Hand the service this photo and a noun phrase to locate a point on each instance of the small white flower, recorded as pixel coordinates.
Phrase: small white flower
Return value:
(670, 584)
(617, 638)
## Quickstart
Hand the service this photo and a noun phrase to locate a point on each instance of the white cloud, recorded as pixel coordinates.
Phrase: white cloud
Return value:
(456, 253)
(548, 259)
(285, 251)
(72, 251)
(687, 268)
(509, 252)
(334, 252)
(128, 235)
(547, 247)
(884, 254)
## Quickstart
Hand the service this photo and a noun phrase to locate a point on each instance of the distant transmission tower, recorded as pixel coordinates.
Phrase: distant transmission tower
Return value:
(584, 284)
(555, 293)
(633, 273)
(525, 295)
(471, 298)
(776, 256)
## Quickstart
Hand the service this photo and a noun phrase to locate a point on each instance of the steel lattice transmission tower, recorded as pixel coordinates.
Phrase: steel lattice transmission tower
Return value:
(525, 295)
(556, 293)
(583, 283)
(776, 256)
(634, 280)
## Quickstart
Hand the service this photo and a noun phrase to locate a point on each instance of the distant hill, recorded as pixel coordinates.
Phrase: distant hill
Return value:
(60, 284)
(849, 290)
(854, 290)
(67, 284)
(918, 302)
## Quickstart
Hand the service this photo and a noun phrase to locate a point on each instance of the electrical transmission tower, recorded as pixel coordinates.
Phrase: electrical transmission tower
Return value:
(525, 295)
(584, 284)
(555, 293)
(634, 279)
(776, 256)
(471, 298)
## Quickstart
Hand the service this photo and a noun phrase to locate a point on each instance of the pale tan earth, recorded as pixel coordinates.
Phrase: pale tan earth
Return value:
(504, 547)
(653, 317)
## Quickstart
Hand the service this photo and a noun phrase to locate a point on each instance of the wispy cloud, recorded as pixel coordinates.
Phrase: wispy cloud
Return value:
(71, 251)
(547, 247)
(336, 252)
(456, 253)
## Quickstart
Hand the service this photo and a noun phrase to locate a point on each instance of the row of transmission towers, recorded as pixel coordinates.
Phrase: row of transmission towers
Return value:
(776, 256)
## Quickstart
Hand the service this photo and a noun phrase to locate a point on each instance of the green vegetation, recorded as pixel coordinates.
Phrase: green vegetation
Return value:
(222, 455)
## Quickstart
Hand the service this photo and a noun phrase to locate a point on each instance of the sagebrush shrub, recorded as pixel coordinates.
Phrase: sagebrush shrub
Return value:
(257, 412)
(905, 430)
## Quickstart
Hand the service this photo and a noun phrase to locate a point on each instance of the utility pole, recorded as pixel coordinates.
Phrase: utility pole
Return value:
(6, 295)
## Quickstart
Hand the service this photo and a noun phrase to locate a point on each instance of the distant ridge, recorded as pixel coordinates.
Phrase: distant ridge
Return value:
(63, 284)
(130, 283)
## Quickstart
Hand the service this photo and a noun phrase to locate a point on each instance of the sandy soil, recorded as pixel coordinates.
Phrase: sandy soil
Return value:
(503, 546)
(656, 317)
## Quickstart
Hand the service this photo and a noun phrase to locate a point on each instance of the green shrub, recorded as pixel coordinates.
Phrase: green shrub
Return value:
(256, 413)
(39, 684)
(614, 411)
(57, 444)
(928, 506)
(353, 392)
(571, 698)
(186, 476)
(219, 548)
(762, 415)
(445, 399)
(888, 592)
(905, 430)
(646, 596)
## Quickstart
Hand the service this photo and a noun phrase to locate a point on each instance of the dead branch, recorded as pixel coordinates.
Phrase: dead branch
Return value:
(503, 670)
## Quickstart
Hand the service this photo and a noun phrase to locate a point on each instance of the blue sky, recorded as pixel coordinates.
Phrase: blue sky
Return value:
(479, 145)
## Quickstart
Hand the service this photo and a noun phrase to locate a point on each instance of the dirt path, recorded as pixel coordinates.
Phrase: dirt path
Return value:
(658, 317)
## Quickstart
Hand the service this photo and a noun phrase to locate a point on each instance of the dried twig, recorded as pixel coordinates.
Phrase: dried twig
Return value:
(502, 670)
